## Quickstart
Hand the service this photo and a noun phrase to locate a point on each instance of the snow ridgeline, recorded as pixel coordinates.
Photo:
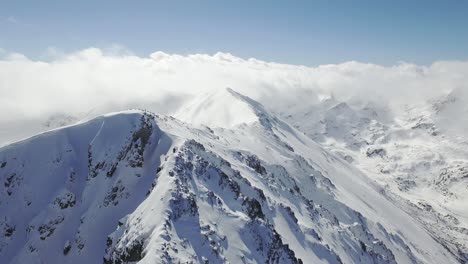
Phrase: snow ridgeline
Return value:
(137, 187)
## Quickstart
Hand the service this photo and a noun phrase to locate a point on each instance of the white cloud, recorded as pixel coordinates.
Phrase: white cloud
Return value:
(12, 19)
(115, 79)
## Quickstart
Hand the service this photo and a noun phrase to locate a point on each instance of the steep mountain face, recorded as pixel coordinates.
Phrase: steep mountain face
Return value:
(137, 187)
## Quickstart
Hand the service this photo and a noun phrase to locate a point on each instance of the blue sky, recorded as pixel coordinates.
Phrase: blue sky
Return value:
(297, 32)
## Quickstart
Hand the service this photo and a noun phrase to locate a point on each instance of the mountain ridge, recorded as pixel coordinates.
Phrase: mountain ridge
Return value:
(168, 187)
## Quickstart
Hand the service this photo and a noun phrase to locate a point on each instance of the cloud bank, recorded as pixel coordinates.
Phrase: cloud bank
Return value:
(102, 81)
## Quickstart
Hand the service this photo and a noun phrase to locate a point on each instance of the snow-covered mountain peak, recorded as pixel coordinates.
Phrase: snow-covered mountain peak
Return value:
(221, 108)
(136, 187)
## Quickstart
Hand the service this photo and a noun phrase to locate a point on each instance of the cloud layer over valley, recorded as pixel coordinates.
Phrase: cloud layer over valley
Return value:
(95, 81)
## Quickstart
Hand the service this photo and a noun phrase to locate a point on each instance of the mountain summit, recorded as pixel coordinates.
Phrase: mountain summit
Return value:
(221, 108)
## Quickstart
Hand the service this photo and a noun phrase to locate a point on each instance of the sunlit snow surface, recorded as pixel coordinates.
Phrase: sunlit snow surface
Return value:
(134, 186)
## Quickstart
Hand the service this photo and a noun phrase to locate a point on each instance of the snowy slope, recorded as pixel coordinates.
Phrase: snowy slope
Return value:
(221, 108)
(418, 154)
(15, 130)
(137, 187)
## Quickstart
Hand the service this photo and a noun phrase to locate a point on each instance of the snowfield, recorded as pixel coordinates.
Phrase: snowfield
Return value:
(229, 180)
